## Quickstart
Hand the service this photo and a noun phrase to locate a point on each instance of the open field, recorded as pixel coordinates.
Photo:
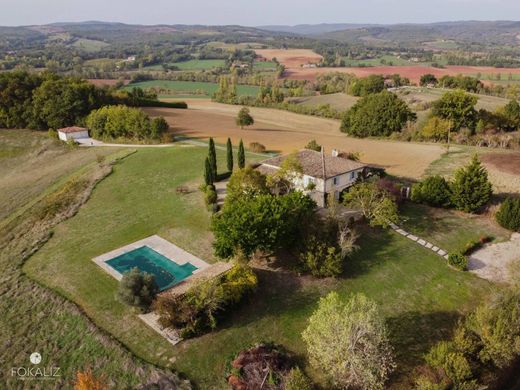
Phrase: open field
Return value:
(191, 65)
(90, 45)
(339, 101)
(293, 59)
(286, 132)
(188, 89)
(139, 199)
(414, 95)
(30, 163)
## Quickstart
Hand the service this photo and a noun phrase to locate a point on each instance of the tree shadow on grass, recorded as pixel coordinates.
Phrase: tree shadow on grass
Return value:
(412, 334)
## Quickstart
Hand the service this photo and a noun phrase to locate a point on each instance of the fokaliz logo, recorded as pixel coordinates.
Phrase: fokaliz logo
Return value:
(34, 371)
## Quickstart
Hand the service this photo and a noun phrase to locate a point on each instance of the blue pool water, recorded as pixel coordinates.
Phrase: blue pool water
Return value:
(167, 272)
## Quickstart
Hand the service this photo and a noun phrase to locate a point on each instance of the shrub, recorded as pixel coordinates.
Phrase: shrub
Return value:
(508, 215)
(455, 365)
(313, 145)
(473, 246)
(433, 191)
(257, 147)
(322, 260)
(458, 260)
(210, 196)
(201, 307)
(51, 133)
(137, 288)
(297, 380)
(87, 381)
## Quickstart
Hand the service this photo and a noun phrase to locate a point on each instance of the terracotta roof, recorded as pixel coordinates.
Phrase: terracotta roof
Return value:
(72, 129)
(312, 165)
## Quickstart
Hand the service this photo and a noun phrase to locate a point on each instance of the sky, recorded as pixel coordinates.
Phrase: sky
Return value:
(255, 12)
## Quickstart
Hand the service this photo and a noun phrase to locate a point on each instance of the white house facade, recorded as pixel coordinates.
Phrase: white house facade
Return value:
(74, 132)
(322, 175)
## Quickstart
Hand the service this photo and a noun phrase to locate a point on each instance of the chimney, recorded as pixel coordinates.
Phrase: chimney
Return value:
(335, 153)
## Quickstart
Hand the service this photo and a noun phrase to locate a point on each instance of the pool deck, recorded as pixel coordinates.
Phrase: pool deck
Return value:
(158, 244)
(172, 252)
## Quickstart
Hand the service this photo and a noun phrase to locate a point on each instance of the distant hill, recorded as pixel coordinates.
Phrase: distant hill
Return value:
(480, 33)
(314, 29)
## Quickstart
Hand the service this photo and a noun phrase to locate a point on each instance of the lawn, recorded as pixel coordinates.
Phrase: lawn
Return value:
(136, 201)
(185, 89)
(448, 229)
(419, 295)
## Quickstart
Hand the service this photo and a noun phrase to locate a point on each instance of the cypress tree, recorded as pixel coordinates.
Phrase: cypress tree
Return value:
(208, 177)
(241, 155)
(471, 188)
(212, 157)
(229, 155)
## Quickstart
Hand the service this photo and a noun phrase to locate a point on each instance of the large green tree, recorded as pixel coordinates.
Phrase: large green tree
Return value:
(367, 85)
(264, 222)
(458, 107)
(347, 340)
(378, 114)
(471, 188)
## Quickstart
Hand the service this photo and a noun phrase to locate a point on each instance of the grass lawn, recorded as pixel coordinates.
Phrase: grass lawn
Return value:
(136, 201)
(420, 296)
(448, 229)
(191, 89)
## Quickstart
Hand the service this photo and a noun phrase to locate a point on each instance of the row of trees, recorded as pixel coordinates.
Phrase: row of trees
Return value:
(112, 122)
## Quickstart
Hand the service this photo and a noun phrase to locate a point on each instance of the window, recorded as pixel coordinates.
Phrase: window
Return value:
(353, 175)
(335, 181)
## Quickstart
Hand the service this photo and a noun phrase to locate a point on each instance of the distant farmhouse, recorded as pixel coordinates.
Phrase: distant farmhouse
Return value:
(74, 132)
(322, 174)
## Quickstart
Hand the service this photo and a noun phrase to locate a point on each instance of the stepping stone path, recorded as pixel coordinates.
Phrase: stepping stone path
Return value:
(420, 241)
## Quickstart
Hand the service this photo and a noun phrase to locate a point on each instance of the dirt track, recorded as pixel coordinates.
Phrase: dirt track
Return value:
(286, 132)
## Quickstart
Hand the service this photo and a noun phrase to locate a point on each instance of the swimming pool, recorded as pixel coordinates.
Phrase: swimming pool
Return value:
(167, 272)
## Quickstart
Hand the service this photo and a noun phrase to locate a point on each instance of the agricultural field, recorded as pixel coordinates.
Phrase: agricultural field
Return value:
(293, 59)
(339, 101)
(90, 45)
(264, 65)
(192, 65)
(188, 89)
(139, 199)
(286, 132)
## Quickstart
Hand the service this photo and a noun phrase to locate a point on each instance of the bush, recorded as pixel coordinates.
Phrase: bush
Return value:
(51, 133)
(458, 260)
(322, 260)
(257, 147)
(473, 246)
(210, 196)
(455, 365)
(137, 288)
(433, 191)
(313, 145)
(158, 103)
(296, 380)
(508, 215)
(201, 307)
